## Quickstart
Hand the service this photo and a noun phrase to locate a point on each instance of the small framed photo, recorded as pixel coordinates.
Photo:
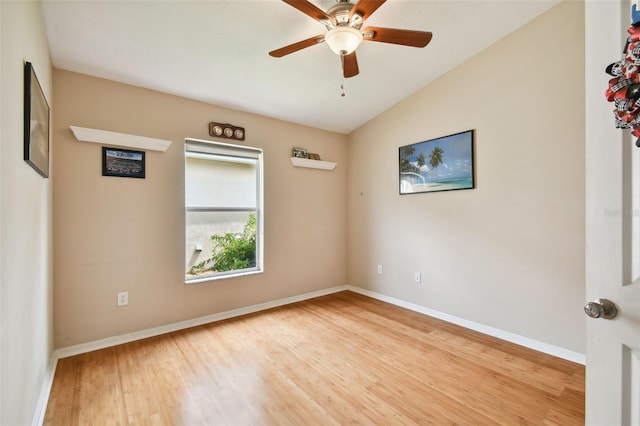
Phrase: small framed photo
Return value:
(314, 156)
(122, 163)
(36, 123)
(300, 153)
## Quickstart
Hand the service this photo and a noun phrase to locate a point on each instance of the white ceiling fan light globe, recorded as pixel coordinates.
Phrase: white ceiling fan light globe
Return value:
(343, 40)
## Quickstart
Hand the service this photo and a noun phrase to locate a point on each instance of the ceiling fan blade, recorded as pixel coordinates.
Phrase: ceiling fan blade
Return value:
(365, 8)
(279, 53)
(350, 65)
(309, 9)
(394, 36)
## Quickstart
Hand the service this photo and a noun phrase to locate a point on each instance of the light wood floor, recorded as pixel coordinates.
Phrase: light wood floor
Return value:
(338, 359)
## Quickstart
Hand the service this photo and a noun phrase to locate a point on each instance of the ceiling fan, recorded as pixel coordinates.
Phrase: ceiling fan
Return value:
(344, 21)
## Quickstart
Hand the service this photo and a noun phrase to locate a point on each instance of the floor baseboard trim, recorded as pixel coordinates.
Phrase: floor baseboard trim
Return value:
(491, 331)
(45, 391)
(41, 408)
(151, 332)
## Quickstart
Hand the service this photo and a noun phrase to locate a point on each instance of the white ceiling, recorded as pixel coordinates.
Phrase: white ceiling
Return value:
(216, 51)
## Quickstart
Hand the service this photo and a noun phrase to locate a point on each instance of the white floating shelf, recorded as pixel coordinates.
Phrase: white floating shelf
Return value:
(119, 139)
(313, 164)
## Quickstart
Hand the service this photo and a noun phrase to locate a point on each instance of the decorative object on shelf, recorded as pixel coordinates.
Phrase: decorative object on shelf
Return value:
(314, 156)
(624, 87)
(123, 163)
(313, 164)
(119, 139)
(229, 131)
(300, 153)
(441, 164)
(36, 123)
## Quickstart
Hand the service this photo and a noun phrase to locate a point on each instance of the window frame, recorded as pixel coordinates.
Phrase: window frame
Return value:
(223, 151)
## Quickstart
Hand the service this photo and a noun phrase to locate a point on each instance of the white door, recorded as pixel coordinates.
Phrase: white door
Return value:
(612, 230)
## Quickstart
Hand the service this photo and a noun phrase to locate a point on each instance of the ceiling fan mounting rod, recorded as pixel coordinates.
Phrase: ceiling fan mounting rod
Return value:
(340, 13)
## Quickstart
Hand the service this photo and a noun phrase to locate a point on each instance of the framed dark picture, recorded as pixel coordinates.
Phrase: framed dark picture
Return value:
(36, 123)
(441, 164)
(122, 163)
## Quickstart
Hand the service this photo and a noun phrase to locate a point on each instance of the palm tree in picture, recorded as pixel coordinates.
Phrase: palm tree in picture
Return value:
(435, 158)
(421, 161)
(405, 153)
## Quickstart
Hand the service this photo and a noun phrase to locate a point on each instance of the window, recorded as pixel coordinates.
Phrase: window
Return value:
(223, 210)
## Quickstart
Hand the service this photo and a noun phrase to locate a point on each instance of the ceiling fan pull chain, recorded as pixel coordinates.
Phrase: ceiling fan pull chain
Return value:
(342, 88)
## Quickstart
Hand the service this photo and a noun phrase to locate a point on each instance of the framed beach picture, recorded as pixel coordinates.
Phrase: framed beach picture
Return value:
(441, 164)
(122, 163)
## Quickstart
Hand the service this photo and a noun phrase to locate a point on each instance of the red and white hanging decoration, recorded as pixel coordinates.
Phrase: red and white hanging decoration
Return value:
(624, 87)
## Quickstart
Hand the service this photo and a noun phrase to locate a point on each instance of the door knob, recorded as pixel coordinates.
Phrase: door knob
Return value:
(601, 308)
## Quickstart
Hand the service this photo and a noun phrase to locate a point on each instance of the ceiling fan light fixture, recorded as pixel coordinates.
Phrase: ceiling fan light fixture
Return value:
(343, 40)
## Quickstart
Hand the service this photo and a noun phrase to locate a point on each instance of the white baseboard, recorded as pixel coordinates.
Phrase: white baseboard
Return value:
(151, 332)
(45, 391)
(491, 331)
(143, 334)
(43, 400)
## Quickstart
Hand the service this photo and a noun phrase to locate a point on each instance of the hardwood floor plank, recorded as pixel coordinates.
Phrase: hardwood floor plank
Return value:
(332, 381)
(334, 360)
(63, 405)
(541, 377)
(433, 407)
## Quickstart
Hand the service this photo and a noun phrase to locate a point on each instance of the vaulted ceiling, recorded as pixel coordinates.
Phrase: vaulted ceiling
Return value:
(216, 51)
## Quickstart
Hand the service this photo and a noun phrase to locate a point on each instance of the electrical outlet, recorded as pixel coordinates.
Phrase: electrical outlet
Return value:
(379, 269)
(123, 298)
(417, 277)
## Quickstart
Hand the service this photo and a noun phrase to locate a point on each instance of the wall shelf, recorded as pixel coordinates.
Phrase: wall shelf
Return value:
(119, 139)
(313, 164)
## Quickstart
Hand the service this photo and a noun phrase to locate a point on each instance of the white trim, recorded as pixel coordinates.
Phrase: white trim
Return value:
(220, 148)
(491, 331)
(313, 164)
(221, 276)
(143, 334)
(130, 337)
(119, 139)
(45, 391)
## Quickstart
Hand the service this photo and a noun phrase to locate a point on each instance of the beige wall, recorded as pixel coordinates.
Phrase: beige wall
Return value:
(117, 234)
(25, 224)
(510, 253)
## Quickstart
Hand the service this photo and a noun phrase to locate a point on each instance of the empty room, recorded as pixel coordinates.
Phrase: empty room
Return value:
(258, 212)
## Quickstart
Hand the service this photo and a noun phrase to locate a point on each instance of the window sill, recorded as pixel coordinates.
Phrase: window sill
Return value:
(223, 276)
